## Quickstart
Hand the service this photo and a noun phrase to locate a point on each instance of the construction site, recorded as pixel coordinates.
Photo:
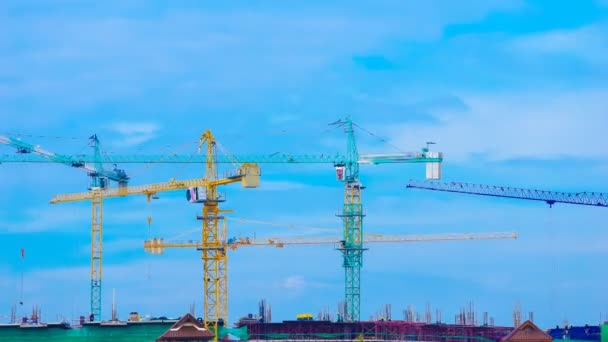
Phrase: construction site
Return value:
(344, 324)
(322, 171)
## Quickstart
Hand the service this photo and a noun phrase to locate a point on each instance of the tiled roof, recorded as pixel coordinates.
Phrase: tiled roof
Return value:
(528, 331)
(187, 328)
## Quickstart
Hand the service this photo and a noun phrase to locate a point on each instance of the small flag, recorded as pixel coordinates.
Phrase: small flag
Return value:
(22, 253)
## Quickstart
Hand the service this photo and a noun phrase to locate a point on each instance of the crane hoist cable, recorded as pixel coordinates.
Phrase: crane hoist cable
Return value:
(181, 147)
(279, 224)
(384, 140)
(276, 224)
(233, 160)
(41, 136)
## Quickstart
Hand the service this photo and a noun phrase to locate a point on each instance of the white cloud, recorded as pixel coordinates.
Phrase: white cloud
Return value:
(68, 217)
(138, 283)
(232, 48)
(117, 246)
(298, 282)
(51, 218)
(589, 43)
(134, 133)
(294, 282)
(282, 225)
(133, 128)
(502, 126)
(602, 2)
(282, 186)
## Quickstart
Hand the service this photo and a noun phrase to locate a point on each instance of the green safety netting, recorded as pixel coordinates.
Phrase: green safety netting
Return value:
(149, 333)
(604, 330)
(131, 333)
(239, 333)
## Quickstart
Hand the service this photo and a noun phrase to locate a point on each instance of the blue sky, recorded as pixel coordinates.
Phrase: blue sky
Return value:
(514, 93)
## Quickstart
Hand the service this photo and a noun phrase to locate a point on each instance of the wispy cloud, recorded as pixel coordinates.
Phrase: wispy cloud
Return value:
(298, 283)
(117, 246)
(588, 43)
(67, 218)
(134, 133)
(51, 218)
(119, 56)
(294, 282)
(48, 287)
(282, 186)
(536, 125)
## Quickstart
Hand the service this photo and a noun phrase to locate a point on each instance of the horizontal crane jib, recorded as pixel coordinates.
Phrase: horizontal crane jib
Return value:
(197, 159)
(597, 199)
(149, 189)
(158, 244)
(27, 152)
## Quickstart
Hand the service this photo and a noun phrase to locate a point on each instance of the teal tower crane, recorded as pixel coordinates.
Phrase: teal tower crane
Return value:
(352, 210)
(352, 217)
(99, 180)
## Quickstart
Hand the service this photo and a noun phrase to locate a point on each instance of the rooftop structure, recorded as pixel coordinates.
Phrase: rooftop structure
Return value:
(187, 329)
(527, 332)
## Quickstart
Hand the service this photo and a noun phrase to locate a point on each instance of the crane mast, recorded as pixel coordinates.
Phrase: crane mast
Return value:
(352, 217)
(213, 236)
(96, 255)
(97, 184)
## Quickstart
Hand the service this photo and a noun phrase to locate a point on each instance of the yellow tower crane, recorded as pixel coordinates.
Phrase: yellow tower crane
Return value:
(213, 233)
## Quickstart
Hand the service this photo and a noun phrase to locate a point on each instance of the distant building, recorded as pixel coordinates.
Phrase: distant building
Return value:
(187, 329)
(527, 332)
(581, 333)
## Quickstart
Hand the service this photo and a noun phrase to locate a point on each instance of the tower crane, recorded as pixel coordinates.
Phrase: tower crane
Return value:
(596, 199)
(97, 242)
(99, 181)
(347, 171)
(203, 190)
(352, 211)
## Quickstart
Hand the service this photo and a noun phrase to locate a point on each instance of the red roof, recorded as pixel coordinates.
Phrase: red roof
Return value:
(185, 329)
(528, 331)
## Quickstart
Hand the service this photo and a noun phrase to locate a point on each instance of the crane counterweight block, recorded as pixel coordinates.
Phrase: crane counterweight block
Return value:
(250, 174)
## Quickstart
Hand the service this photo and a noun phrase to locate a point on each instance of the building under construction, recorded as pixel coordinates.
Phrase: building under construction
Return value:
(373, 330)
(413, 327)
